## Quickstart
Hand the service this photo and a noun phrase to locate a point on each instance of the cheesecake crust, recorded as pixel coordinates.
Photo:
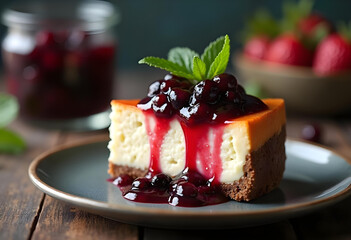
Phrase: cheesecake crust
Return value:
(117, 170)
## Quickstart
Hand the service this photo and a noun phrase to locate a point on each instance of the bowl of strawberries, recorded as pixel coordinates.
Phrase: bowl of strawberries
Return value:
(303, 58)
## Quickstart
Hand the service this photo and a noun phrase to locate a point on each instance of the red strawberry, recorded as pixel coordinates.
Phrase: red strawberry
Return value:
(256, 47)
(312, 22)
(333, 54)
(287, 49)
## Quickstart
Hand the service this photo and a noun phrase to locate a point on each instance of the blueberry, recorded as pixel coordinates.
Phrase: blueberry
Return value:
(202, 110)
(145, 103)
(154, 88)
(240, 90)
(185, 189)
(252, 104)
(194, 177)
(166, 86)
(123, 180)
(206, 91)
(161, 181)
(225, 82)
(197, 113)
(141, 184)
(232, 97)
(179, 98)
(161, 106)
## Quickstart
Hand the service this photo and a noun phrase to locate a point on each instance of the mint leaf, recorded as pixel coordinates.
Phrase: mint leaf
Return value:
(211, 51)
(186, 63)
(8, 109)
(182, 56)
(221, 61)
(199, 68)
(167, 65)
(10, 142)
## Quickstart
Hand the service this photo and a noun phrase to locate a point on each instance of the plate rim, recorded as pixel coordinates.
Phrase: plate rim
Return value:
(86, 203)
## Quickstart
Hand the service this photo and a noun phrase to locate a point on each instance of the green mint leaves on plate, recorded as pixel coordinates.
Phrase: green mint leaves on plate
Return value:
(184, 62)
(10, 142)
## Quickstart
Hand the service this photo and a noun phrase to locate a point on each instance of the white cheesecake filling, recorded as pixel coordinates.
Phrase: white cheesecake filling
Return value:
(130, 146)
(129, 143)
(172, 155)
(234, 149)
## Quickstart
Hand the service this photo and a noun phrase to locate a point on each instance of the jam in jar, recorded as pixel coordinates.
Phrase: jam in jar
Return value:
(59, 59)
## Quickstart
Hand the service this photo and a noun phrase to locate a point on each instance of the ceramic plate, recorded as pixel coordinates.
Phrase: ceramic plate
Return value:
(314, 178)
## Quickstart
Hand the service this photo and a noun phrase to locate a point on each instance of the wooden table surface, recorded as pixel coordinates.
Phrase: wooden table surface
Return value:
(27, 213)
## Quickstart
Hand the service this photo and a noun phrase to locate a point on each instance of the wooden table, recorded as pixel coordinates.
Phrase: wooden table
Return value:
(27, 213)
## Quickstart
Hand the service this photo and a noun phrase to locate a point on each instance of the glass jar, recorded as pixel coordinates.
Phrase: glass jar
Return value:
(59, 61)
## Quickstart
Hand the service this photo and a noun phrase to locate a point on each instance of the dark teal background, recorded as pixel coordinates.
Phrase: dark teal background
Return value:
(152, 27)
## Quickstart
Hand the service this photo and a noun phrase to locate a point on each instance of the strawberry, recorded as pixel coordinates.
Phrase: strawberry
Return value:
(311, 23)
(288, 49)
(256, 47)
(257, 34)
(333, 55)
(299, 19)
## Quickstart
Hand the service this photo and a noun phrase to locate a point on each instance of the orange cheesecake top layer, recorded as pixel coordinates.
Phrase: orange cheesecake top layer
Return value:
(263, 125)
(260, 126)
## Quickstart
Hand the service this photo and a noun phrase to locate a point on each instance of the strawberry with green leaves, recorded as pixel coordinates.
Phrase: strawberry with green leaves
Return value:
(255, 48)
(314, 25)
(333, 54)
(299, 19)
(294, 38)
(288, 49)
(259, 31)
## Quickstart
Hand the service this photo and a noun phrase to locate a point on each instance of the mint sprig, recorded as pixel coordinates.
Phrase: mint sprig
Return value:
(184, 62)
(10, 142)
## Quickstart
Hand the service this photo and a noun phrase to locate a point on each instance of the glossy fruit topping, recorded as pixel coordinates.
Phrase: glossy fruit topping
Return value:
(212, 101)
(188, 189)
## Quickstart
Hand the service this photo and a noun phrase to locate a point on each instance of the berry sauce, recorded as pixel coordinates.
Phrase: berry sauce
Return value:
(202, 110)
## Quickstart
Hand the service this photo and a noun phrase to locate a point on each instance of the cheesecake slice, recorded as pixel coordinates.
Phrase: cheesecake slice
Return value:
(244, 155)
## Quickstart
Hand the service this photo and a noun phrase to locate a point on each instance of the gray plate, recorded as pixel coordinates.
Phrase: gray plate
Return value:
(314, 178)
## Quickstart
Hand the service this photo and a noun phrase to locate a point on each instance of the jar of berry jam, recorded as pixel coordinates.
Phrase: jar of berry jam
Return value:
(59, 61)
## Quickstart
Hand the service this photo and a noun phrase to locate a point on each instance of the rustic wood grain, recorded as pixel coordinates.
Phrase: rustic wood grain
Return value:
(59, 220)
(19, 198)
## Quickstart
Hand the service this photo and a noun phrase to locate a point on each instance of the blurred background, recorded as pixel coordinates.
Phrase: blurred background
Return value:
(61, 71)
(152, 27)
